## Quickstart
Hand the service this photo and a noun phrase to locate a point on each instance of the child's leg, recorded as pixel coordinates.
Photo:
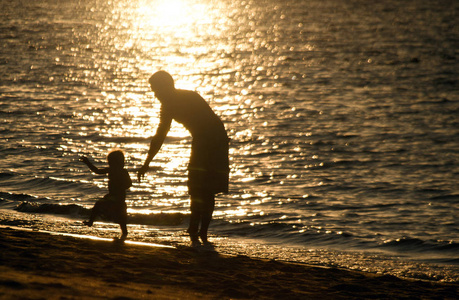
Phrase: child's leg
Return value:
(96, 211)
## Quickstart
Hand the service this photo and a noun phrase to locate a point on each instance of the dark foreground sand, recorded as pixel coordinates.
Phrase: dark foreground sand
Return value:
(35, 265)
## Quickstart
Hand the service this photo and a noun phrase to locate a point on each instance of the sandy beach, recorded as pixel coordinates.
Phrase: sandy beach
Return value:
(37, 265)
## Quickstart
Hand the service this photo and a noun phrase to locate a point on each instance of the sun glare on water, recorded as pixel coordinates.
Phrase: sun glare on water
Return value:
(167, 13)
(180, 36)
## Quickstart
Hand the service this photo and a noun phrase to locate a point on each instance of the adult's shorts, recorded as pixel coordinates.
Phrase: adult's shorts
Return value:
(208, 170)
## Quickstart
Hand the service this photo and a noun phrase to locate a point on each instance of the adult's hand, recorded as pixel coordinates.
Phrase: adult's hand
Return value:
(141, 172)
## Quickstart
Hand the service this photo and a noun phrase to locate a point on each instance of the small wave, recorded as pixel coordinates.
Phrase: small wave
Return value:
(418, 245)
(46, 208)
(13, 182)
(157, 219)
(18, 197)
(446, 198)
(291, 233)
(44, 183)
(6, 175)
(74, 210)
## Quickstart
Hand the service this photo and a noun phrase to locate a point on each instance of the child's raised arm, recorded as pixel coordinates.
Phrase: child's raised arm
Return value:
(92, 167)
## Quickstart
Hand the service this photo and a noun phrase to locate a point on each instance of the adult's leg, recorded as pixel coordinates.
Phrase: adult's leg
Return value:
(195, 218)
(124, 231)
(206, 216)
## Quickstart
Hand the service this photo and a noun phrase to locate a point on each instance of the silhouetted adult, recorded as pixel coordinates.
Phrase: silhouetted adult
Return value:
(208, 168)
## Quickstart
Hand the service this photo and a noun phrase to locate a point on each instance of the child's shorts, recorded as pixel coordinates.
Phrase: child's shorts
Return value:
(113, 210)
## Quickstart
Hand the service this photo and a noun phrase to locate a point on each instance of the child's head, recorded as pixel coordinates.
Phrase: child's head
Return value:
(116, 159)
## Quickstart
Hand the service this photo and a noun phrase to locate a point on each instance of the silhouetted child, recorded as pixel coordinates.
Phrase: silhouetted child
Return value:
(113, 205)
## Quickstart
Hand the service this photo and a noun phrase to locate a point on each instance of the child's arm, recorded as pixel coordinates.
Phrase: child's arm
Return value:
(128, 180)
(92, 167)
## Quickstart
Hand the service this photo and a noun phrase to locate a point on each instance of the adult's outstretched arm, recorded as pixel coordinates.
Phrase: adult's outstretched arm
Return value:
(156, 142)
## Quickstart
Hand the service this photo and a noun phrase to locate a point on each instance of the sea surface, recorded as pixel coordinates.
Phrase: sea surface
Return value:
(343, 118)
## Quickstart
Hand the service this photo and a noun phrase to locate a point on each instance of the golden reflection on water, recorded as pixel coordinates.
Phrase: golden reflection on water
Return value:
(189, 39)
(169, 13)
(167, 34)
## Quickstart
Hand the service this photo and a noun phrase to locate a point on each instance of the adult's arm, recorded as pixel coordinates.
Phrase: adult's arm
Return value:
(156, 142)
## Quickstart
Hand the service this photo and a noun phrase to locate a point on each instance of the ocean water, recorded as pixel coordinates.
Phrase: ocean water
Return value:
(343, 119)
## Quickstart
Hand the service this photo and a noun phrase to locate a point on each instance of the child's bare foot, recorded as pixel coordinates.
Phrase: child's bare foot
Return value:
(123, 237)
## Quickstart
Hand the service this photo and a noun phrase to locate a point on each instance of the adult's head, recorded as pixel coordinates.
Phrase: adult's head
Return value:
(162, 84)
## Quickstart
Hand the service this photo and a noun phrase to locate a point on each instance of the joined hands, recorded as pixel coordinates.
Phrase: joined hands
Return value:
(141, 172)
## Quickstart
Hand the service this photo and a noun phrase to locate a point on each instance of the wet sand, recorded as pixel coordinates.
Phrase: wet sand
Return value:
(36, 265)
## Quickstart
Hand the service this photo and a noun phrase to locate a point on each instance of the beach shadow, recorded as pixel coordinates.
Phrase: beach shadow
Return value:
(12, 284)
(118, 241)
(208, 246)
(118, 244)
(206, 249)
(205, 246)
